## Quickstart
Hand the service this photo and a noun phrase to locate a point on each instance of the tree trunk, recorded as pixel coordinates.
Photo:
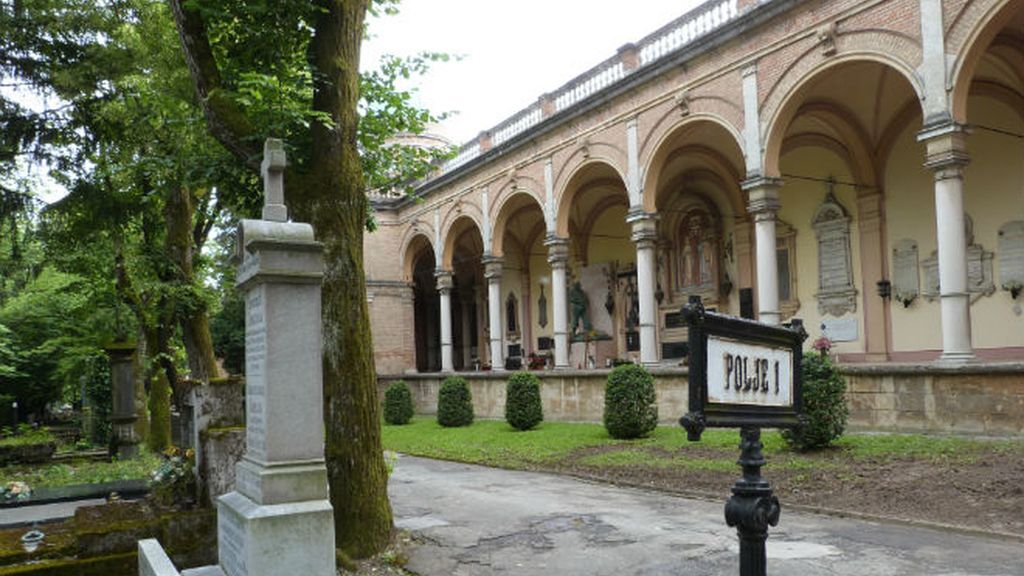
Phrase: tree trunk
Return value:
(193, 315)
(332, 199)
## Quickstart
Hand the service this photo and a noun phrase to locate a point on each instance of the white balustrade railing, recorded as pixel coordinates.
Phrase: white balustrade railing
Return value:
(517, 124)
(670, 39)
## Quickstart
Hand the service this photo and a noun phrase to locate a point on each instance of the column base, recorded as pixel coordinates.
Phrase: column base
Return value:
(956, 358)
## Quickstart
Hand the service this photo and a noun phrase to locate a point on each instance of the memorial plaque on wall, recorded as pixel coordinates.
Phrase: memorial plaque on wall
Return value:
(906, 283)
(836, 293)
(1011, 254)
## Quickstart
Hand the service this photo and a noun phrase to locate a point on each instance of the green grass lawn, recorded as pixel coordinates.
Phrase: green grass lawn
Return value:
(495, 443)
(80, 472)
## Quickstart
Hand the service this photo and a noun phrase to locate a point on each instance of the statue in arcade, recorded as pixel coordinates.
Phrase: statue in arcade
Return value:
(580, 310)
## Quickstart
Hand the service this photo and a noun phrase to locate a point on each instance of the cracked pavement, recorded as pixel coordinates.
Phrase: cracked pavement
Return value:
(472, 520)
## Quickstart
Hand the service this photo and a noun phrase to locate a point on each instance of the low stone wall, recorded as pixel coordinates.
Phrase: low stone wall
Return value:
(978, 399)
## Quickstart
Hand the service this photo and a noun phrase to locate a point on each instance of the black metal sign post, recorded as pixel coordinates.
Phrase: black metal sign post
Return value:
(744, 374)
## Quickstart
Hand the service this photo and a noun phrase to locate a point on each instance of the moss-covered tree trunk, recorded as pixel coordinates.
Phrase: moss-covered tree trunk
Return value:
(333, 200)
(192, 312)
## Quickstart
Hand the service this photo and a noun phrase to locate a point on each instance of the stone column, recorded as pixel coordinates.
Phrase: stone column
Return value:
(645, 236)
(558, 257)
(946, 158)
(492, 271)
(279, 520)
(444, 287)
(764, 204)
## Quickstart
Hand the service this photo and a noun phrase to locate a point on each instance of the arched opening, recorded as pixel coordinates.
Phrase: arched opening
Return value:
(704, 246)
(464, 251)
(989, 98)
(603, 296)
(426, 306)
(526, 328)
(832, 143)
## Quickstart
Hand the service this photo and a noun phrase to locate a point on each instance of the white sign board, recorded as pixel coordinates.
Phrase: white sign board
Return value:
(749, 374)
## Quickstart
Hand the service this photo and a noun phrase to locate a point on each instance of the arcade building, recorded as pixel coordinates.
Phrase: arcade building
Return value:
(857, 164)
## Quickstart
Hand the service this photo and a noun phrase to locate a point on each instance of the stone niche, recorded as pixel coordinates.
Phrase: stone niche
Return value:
(836, 293)
(979, 269)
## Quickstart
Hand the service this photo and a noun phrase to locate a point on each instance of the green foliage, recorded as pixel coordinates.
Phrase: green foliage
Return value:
(173, 482)
(523, 409)
(398, 403)
(824, 405)
(159, 413)
(630, 404)
(81, 472)
(454, 403)
(227, 329)
(29, 437)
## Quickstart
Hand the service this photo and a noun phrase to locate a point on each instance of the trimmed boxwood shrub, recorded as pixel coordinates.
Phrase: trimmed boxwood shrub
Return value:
(523, 409)
(398, 403)
(824, 396)
(630, 404)
(454, 403)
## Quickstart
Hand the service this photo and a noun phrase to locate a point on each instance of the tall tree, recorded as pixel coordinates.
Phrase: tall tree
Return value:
(290, 69)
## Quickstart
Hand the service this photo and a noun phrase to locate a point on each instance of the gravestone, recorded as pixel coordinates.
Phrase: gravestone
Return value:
(278, 520)
(124, 442)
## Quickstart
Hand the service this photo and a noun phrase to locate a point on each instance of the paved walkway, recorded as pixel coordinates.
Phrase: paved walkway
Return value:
(481, 521)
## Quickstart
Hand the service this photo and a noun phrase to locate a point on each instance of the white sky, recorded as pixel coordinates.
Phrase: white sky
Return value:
(513, 51)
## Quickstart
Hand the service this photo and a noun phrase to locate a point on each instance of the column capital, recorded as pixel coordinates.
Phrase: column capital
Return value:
(946, 148)
(645, 226)
(763, 196)
(558, 250)
(444, 280)
(493, 267)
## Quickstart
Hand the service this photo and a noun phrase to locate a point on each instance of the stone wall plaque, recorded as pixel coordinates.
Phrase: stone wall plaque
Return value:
(836, 293)
(906, 280)
(1011, 255)
(979, 273)
(840, 329)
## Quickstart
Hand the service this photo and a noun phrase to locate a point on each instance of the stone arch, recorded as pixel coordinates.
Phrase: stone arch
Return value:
(664, 149)
(665, 130)
(509, 205)
(415, 240)
(790, 97)
(853, 146)
(588, 173)
(456, 224)
(983, 30)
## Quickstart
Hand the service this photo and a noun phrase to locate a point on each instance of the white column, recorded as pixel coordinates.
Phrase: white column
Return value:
(947, 157)
(492, 271)
(764, 204)
(645, 236)
(558, 257)
(444, 287)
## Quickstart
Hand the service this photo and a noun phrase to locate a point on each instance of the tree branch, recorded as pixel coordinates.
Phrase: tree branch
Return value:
(227, 122)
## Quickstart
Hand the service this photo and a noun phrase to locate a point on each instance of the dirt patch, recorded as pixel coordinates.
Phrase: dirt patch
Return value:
(983, 490)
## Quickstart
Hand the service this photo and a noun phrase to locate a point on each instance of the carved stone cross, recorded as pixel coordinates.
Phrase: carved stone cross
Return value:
(272, 168)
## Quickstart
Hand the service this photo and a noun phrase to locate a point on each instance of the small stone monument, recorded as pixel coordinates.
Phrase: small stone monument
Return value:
(124, 442)
(278, 521)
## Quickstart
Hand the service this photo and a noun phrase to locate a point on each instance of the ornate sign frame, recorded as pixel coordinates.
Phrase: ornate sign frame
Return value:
(704, 414)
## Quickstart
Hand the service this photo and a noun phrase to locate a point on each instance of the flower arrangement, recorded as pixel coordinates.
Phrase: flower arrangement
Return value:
(18, 491)
(822, 345)
(174, 480)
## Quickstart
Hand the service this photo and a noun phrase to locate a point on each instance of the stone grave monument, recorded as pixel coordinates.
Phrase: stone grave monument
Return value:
(278, 520)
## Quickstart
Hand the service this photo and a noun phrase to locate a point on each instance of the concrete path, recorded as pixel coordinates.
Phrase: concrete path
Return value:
(480, 521)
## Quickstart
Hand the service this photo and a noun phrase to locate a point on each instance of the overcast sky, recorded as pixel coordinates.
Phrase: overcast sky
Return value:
(512, 51)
